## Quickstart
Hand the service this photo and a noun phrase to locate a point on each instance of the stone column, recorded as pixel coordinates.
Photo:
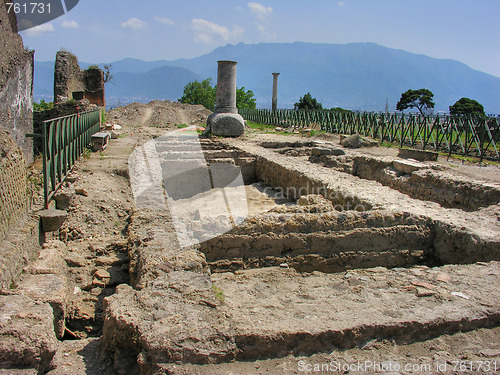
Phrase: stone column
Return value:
(275, 91)
(226, 87)
(225, 121)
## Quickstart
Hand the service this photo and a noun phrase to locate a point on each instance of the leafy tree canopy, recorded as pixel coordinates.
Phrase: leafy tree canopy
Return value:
(200, 93)
(466, 106)
(203, 93)
(340, 110)
(308, 102)
(245, 99)
(42, 106)
(419, 99)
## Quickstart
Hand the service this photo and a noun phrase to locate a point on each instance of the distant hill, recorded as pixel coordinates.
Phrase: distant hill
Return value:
(166, 82)
(357, 76)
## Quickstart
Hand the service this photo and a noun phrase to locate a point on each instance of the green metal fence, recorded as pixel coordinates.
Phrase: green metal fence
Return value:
(467, 136)
(64, 140)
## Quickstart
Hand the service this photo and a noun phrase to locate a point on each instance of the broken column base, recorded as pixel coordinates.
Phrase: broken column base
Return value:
(225, 125)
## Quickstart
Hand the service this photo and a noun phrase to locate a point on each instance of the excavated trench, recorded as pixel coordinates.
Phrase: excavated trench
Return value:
(260, 251)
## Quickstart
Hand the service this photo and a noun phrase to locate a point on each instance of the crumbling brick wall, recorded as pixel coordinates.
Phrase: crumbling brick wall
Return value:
(19, 232)
(16, 84)
(13, 183)
(94, 86)
(69, 80)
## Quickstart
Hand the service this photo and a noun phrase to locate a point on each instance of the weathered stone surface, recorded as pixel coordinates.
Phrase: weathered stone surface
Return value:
(156, 250)
(226, 124)
(50, 289)
(289, 313)
(420, 155)
(408, 166)
(64, 199)
(26, 333)
(52, 219)
(50, 260)
(174, 320)
(357, 141)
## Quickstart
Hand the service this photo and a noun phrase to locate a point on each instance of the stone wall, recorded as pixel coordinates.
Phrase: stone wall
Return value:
(16, 85)
(68, 77)
(13, 182)
(19, 232)
(70, 82)
(94, 86)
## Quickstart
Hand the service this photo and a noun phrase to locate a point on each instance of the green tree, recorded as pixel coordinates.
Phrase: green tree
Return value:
(203, 93)
(419, 99)
(200, 93)
(308, 102)
(245, 99)
(42, 106)
(466, 106)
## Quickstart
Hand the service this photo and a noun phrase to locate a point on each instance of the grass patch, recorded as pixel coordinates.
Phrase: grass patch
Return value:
(181, 126)
(218, 293)
(469, 159)
(87, 153)
(261, 127)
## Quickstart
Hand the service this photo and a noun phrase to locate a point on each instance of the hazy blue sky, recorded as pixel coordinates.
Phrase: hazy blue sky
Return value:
(108, 30)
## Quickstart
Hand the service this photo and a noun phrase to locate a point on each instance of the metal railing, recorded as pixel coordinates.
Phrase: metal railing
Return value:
(64, 140)
(460, 135)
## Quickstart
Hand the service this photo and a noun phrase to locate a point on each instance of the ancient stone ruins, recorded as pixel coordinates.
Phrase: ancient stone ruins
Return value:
(239, 251)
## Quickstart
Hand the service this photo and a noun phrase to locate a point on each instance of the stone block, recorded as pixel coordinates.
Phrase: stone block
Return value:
(26, 333)
(408, 166)
(420, 155)
(225, 125)
(99, 141)
(52, 219)
(50, 260)
(318, 151)
(49, 289)
(357, 141)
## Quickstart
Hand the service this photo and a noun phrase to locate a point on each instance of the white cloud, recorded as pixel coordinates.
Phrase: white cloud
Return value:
(264, 31)
(165, 20)
(237, 31)
(207, 32)
(341, 3)
(134, 24)
(41, 29)
(260, 11)
(70, 25)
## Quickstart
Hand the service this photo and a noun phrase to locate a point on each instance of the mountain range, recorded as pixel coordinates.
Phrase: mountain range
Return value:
(357, 76)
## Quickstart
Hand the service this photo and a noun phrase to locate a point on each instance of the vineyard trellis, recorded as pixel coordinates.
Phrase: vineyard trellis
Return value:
(460, 135)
